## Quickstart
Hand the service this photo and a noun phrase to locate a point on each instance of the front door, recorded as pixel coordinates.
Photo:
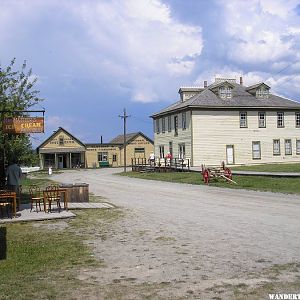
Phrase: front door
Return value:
(230, 154)
(60, 161)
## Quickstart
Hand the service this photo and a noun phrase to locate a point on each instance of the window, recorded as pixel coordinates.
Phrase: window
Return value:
(256, 151)
(225, 92)
(114, 157)
(49, 160)
(297, 146)
(181, 151)
(288, 147)
(161, 151)
(297, 116)
(139, 150)
(261, 119)
(276, 147)
(61, 141)
(262, 93)
(171, 148)
(169, 123)
(157, 126)
(243, 119)
(280, 119)
(184, 120)
(102, 156)
(163, 125)
(176, 125)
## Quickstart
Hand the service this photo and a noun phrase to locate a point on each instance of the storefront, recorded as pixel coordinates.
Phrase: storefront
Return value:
(62, 150)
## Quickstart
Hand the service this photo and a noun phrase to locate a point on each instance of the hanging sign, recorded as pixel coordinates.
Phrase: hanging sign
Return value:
(23, 125)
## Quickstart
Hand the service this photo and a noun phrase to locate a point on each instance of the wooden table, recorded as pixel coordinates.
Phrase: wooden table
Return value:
(5, 194)
(63, 191)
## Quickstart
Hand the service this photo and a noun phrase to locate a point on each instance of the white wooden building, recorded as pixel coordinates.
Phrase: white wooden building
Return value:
(227, 121)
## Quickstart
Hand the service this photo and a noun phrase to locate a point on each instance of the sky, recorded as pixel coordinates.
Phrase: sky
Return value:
(93, 58)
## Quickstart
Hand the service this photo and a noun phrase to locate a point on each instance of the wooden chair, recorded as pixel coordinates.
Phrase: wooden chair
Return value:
(5, 203)
(36, 196)
(51, 194)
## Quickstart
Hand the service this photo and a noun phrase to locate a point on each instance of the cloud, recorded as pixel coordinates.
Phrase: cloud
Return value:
(261, 32)
(139, 41)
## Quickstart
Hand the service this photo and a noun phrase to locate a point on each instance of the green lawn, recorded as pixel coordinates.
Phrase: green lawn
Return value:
(42, 260)
(270, 168)
(258, 183)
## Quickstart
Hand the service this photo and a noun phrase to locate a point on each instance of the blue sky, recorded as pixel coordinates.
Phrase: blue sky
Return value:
(93, 58)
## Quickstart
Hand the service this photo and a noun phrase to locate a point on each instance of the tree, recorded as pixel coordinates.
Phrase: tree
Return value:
(17, 93)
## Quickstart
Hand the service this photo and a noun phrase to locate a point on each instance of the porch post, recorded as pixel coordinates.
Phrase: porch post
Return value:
(70, 160)
(55, 161)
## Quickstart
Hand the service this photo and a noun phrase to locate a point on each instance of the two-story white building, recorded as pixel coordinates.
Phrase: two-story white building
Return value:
(230, 122)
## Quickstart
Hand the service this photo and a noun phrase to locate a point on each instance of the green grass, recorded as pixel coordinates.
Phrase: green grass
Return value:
(42, 260)
(270, 168)
(257, 183)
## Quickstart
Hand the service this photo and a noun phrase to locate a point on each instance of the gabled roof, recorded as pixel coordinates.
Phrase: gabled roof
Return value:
(129, 137)
(218, 84)
(255, 86)
(60, 129)
(241, 98)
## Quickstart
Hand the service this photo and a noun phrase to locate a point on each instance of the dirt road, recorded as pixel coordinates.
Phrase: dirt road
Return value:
(198, 241)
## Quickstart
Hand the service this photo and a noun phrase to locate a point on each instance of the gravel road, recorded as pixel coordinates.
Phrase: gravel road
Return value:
(192, 238)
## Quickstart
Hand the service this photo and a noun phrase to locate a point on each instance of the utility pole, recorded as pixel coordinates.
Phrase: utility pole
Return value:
(124, 117)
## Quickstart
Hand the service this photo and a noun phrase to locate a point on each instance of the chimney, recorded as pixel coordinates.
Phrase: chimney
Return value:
(101, 141)
(241, 80)
(205, 84)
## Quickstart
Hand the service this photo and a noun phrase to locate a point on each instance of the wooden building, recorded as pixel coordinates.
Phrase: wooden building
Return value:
(230, 122)
(62, 150)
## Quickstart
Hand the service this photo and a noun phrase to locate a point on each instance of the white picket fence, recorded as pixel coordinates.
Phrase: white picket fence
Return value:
(26, 170)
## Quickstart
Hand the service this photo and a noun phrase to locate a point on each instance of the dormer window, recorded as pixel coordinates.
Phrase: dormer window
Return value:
(225, 92)
(262, 93)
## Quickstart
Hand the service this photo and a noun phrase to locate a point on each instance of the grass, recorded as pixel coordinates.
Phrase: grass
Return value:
(270, 168)
(42, 260)
(257, 183)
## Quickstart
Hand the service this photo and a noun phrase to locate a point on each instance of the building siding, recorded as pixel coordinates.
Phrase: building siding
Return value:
(184, 136)
(214, 129)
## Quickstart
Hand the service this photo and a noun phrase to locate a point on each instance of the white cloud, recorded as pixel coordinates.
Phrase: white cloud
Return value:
(141, 42)
(129, 42)
(261, 31)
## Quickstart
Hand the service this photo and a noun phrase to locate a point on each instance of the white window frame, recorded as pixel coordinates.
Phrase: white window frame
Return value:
(175, 125)
(298, 146)
(163, 125)
(280, 119)
(262, 119)
(276, 147)
(243, 119)
(183, 120)
(181, 151)
(169, 123)
(288, 147)
(161, 151)
(157, 126)
(102, 156)
(262, 93)
(297, 119)
(225, 92)
(171, 148)
(256, 151)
